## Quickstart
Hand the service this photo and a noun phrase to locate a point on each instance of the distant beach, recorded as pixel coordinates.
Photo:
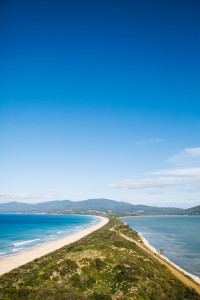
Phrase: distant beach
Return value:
(14, 261)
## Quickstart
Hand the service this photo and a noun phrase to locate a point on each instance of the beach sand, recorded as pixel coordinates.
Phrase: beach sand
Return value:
(11, 262)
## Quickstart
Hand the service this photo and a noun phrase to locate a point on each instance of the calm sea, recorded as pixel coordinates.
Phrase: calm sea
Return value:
(22, 232)
(179, 236)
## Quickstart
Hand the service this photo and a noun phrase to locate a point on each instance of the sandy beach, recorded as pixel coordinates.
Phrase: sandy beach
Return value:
(14, 261)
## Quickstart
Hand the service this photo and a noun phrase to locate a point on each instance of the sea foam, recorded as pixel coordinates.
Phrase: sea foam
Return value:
(25, 242)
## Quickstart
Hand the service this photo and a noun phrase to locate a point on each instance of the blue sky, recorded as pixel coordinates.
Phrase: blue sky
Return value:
(100, 99)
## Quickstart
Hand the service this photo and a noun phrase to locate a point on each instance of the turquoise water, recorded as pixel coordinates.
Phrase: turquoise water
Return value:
(179, 236)
(23, 232)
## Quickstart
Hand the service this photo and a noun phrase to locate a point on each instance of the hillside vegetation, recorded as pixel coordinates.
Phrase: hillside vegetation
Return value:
(90, 206)
(193, 210)
(101, 265)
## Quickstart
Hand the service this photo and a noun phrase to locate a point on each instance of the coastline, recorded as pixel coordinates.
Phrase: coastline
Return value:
(11, 262)
(152, 249)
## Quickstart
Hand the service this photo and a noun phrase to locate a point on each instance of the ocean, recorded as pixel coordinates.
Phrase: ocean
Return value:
(20, 232)
(179, 236)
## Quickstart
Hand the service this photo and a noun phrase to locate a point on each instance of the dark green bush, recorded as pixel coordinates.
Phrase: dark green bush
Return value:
(76, 280)
(97, 263)
(96, 296)
(71, 296)
(67, 266)
(90, 282)
(23, 293)
(78, 249)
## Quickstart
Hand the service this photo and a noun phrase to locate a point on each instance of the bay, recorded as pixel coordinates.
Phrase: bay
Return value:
(179, 236)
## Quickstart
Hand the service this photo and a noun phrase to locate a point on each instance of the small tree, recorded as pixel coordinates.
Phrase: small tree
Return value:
(160, 252)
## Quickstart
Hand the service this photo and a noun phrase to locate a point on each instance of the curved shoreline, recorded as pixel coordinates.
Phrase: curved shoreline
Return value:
(147, 244)
(11, 262)
(179, 274)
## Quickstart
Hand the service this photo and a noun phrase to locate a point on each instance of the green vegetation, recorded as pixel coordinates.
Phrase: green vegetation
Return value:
(193, 211)
(102, 265)
(88, 207)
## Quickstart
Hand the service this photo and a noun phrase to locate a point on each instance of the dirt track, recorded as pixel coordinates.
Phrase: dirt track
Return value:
(174, 271)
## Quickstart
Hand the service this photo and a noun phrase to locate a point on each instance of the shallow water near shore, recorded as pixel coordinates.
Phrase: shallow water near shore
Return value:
(21, 232)
(178, 235)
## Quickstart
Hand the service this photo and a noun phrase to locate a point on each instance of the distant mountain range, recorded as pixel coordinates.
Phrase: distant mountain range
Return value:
(193, 210)
(93, 206)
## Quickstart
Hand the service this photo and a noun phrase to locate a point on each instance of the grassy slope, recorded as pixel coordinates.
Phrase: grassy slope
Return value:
(102, 265)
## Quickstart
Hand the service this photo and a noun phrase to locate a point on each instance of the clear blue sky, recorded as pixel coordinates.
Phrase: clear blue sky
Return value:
(100, 99)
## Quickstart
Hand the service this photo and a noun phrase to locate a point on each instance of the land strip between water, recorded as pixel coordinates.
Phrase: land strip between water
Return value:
(108, 263)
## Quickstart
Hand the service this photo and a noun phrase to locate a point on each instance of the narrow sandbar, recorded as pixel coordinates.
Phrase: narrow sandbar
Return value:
(11, 262)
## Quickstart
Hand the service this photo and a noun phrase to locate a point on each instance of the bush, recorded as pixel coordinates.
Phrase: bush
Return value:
(96, 296)
(124, 274)
(85, 270)
(67, 266)
(76, 280)
(97, 263)
(79, 249)
(72, 296)
(23, 292)
(121, 244)
(90, 282)
(70, 264)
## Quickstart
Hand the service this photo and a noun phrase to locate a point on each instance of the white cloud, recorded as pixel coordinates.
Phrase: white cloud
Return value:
(2, 194)
(149, 141)
(185, 176)
(185, 171)
(14, 196)
(155, 182)
(188, 155)
(21, 196)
